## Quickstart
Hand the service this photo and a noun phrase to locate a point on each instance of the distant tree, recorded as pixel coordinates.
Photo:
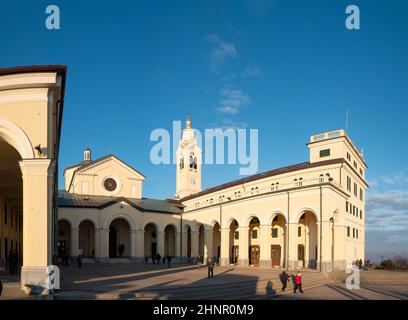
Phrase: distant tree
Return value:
(387, 264)
(400, 261)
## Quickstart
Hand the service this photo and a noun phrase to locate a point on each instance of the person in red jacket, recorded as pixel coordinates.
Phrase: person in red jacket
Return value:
(298, 283)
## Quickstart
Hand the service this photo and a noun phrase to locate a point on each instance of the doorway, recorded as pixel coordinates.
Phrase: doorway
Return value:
(276, 255)
(113, 242)
(301, 254)
(254, 252)
(235, 254)
(154, 249)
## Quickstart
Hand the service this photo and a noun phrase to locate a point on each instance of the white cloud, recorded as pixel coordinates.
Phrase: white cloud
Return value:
(252, 72)
(398, 178)
(232, 100)
(228, 124)
(387, 210)
(220, 51)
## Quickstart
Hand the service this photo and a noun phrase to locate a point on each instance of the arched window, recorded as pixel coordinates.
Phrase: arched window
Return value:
(195, 163)
(191, 161)
(277, 185)
(181, 163)
(272, 187)
(300, 182)
(321, 178)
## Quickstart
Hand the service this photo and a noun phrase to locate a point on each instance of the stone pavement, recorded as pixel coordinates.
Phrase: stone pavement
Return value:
(338, 291)
(180, 282)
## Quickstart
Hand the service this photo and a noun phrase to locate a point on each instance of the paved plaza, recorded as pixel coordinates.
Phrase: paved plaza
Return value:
(133, 281)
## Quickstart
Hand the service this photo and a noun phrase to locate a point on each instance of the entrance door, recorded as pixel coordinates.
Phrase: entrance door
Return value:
(235, 254)
(154, 249)
(301, 254)
(254, 255)
(276, 255)
(113, 242)
(62, 246)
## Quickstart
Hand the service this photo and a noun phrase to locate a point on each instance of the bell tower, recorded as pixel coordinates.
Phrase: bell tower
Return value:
(188, 168)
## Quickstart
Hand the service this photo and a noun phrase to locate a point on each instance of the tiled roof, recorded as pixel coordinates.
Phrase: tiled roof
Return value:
(274, 172)
(66, 199)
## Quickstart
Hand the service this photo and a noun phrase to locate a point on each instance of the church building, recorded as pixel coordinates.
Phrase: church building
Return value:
(308, 215)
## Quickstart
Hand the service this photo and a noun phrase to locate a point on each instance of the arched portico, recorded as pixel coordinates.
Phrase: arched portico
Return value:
(64, 238)
(120, 245)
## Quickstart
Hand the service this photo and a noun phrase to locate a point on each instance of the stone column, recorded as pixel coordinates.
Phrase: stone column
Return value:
(266, 241)
(194, 244)
(208, 244)
(177, 245)
(160, 242)
(339, 247)
(74, 242)
(292, 245)
(38, 189)
(133, 245)
(184, 238)
(103, 244)
(243, 246)
(97, 243)
(225, 247)
(139, 245)
(326, 264)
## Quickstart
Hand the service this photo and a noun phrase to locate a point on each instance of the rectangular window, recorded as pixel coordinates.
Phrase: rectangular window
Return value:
(357, 233)
(254, 234)
(133, 192)
(274, 232)
(355, 189)
(354, 233)
(85, 187)
(361, 214)
(348, 231)
(324, 153)
(347, 205)
(361, 172)
(348, 183)
(299, 231)
(361, 194)
(348, 156)
(236, 235)
(355, 164)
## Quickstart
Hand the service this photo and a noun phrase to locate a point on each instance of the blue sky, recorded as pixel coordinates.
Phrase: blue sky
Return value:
(287, 68)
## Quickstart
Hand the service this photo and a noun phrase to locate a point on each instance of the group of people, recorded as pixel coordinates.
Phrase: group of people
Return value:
(359, 263)
(156, 259)
(285, 277)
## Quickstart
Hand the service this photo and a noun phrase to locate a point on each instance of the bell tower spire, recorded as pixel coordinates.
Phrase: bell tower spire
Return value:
(188, 170)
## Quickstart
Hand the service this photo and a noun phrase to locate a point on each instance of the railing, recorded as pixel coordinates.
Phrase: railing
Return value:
(271, 188)
(327, 135)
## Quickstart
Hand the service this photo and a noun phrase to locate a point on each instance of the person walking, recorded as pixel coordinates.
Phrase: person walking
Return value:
(79, 258)
(198, 262)
(284, 278)
(168, 261)
(298, 283)
(210, 266)
(158, 258)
